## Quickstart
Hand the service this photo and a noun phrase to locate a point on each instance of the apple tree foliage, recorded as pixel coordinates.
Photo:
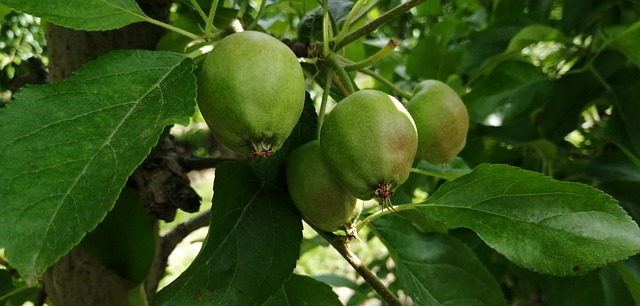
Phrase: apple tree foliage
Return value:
(540, 206)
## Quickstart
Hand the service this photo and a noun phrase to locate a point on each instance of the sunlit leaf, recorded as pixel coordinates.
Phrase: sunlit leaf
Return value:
(304, 290)
(68, 148)
(505, 93)
(252, 245)
(599, 288)
(548, 226)
(125, 240)
(90, 15)
(436, 269)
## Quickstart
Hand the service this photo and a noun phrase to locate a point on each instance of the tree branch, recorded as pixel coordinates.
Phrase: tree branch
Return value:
(172, 238)
(374, 24)
(341, 245)
(190, 163)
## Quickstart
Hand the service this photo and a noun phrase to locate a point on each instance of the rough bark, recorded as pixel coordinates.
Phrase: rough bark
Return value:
(78, 278)
(69, 49)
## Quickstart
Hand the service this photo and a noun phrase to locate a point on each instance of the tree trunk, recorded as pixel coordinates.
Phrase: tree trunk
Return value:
(78, 278)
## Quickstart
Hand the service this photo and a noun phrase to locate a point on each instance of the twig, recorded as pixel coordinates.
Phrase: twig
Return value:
(200, 163)
(340, 244)
(374, 24)
(171, 239)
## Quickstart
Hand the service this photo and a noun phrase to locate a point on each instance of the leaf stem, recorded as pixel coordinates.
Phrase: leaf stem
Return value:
(325, 98)
(199, 52)
(254, 23)
(208, 28)
(384, 212)
(386, 82)
(374, 24)
(446, 176)
(602, 81)
(327, 32)
(341, 245)
(347, 21)
(14, 292)
(629, 279)
(243, 8)
(386, 50)
(172, 28)
(198, 9)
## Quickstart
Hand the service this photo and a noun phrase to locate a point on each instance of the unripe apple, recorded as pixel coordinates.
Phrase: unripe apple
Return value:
(369, 141)
(251, 92)
(319, 197)
(441, 119)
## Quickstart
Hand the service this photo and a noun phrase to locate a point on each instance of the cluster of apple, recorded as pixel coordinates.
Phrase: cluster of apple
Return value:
(251, 94)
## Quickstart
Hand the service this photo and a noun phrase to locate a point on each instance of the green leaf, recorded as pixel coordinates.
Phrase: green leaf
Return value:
(628, 108)
(578, 15)
(485, 45)
(4, 10)
(616, 132)
(125, 240)
(452, 170)
(534, 34)
(505, 93)
(626, 40)
(430, 8)
(547, 226)
(310, 26)
(91, 15)
(617, 175)
(67, 148)
(429, 60)
(252, 246)
(629, 271)
(20, 296)
(598, 288)
(304, 290)
(6, 284)
(436, 269)
(568, 97)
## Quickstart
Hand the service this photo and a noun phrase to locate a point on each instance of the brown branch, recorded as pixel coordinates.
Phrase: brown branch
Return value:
(341, 244)
(172, 238)
(190, 163)
(163, 184)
